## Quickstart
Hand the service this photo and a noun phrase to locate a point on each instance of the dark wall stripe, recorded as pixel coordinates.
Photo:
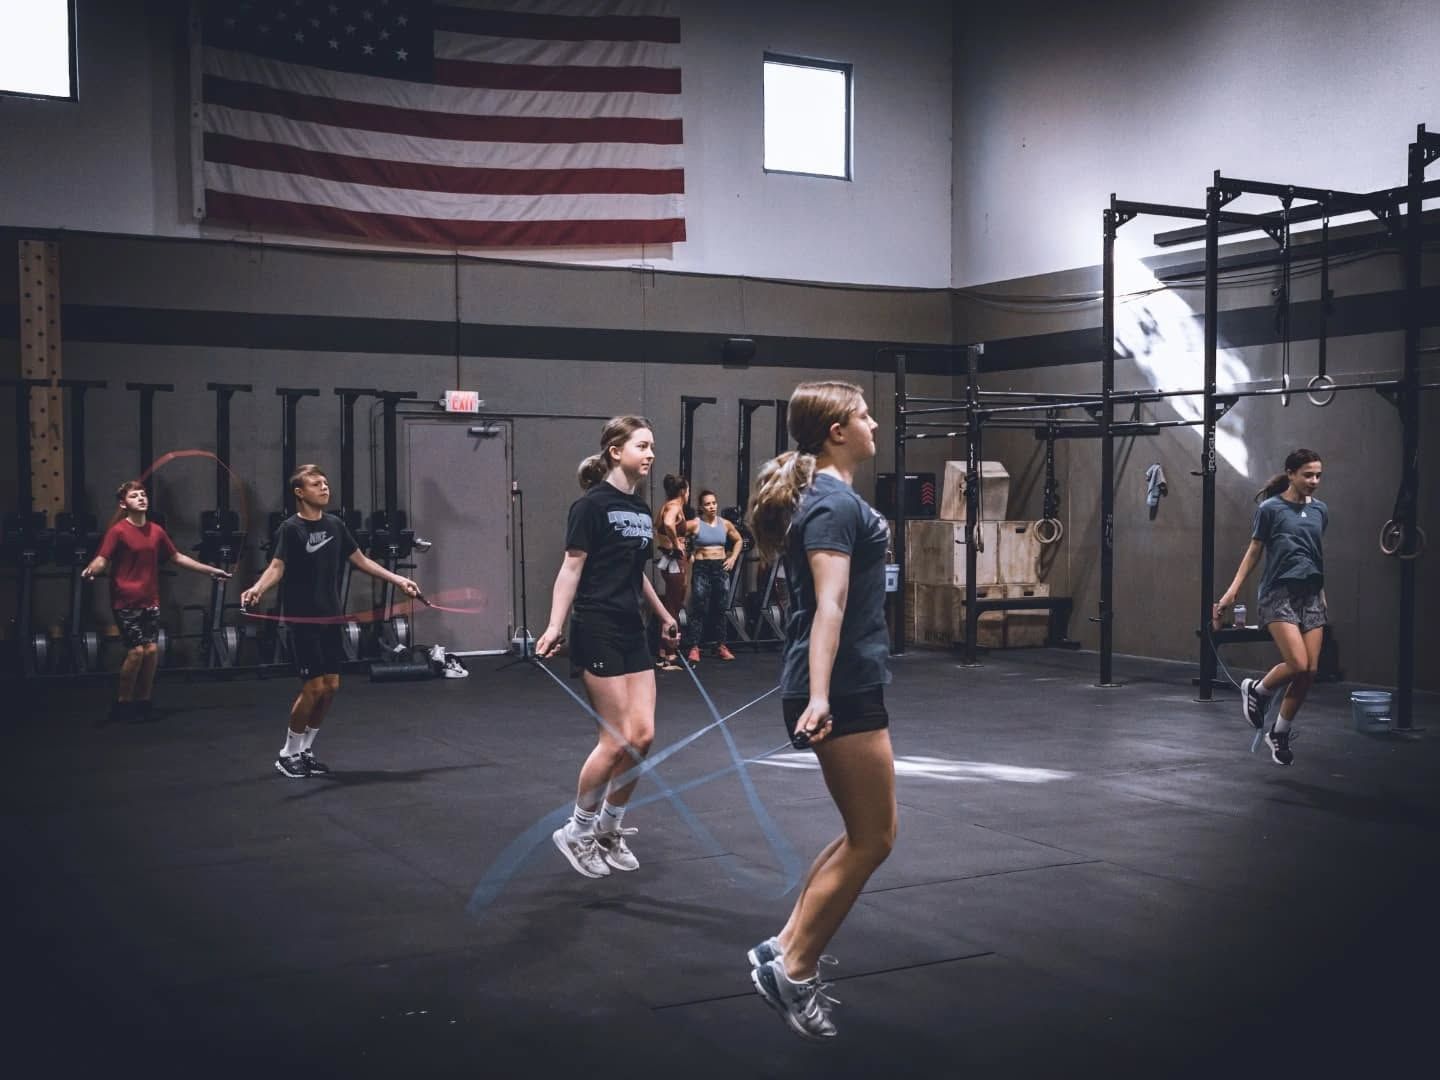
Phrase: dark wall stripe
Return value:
(1370, 313)
(420, 337)
(1365, 314)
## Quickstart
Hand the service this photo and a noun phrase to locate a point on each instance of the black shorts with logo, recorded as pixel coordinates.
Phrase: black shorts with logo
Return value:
(318, 649)
(849, 715)
(606, 648)
(138, 626)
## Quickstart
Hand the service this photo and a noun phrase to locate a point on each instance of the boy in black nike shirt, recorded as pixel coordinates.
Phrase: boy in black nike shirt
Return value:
(311, 549)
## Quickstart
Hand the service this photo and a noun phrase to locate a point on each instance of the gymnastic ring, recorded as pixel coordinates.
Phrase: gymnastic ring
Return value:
(1325, 385)
(1043, 531)
(1392, 539)
(1285, 390)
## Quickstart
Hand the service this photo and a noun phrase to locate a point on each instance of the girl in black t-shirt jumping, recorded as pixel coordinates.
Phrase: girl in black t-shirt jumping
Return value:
(832, 678)
(608, 543)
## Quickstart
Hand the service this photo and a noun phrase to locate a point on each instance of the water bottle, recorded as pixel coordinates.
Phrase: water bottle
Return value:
(1239, 617)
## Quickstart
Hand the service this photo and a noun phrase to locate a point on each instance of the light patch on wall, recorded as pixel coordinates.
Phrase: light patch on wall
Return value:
(35, 49)
(935, 768)
(1167, 342)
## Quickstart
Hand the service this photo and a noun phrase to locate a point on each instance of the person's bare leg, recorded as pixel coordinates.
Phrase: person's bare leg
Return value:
(608, 698)
(1304, 678)
(859, 770)
(130, 674)
(145, 679)
(820, 860)
(638, 731)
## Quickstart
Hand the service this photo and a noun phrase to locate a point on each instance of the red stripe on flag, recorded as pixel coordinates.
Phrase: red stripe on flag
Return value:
(435, 125)
(639, 80)
(392, 228)
(558, 27)
(463, 180)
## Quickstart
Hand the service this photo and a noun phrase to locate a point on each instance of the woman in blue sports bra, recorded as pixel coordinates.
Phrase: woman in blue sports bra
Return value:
(715, 546)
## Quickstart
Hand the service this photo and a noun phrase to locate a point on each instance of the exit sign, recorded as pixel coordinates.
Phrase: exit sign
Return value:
(462, 401)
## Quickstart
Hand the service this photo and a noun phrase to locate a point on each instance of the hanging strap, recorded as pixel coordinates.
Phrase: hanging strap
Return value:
(1321, 387)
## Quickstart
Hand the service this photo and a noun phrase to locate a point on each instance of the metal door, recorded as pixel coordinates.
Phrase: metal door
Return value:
(458, 489)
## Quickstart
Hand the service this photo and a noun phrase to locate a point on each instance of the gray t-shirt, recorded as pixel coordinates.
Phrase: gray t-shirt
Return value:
(1291, 533)
(831, 517)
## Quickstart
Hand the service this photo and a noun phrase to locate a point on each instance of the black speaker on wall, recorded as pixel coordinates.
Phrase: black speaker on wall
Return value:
(737, 351)
(920, 495)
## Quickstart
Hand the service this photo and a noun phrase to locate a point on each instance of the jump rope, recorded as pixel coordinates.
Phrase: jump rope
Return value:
(469, 601)
(1275, 698)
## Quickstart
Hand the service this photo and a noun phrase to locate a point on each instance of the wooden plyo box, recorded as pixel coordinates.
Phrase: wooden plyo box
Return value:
(994, 491)
(1017, 553)
(935, 616)
(935, 553)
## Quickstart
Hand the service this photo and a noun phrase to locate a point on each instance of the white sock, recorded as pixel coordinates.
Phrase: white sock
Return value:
(294, 743)
(1259, 688)
(1281, 725)
(308, 739)
(610, 816)
(582, 821)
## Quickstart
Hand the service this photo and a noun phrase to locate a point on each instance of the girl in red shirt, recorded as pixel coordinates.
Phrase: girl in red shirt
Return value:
(133, 549)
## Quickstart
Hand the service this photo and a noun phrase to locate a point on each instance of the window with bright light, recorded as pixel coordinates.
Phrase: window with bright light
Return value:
(37, 48)
(807, 116)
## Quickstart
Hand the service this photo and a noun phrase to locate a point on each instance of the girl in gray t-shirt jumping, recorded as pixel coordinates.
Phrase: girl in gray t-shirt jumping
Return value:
(833, 676)
(1289, 527)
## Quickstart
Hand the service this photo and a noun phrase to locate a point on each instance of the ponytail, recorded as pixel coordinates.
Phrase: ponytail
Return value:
(1274, 486)
(778, 488)
(592, 470)
(1296, 459)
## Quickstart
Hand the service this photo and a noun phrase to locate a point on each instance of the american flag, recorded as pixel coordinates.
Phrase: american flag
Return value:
(463, 124)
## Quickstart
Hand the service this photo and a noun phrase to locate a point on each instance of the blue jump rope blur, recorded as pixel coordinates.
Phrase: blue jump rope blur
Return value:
(493, 882)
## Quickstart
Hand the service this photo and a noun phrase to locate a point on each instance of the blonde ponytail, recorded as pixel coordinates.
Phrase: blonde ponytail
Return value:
(778, 488)
(814, 408)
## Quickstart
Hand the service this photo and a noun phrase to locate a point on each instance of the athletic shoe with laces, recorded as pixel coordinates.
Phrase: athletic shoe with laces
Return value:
(1279, 743)
(767, 950)
(615, 851)
(1252, 704)
(581, 852)
(292, 766)
(724, 653)
(804, 1006)
(694, 654)
(315, 767)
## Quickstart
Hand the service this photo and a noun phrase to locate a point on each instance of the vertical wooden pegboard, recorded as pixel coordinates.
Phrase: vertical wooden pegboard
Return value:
(40, 359)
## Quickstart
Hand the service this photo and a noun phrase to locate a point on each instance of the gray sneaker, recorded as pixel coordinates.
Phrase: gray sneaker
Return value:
(804, 1006)
(615, 851)
(767, 950)
(581, 852)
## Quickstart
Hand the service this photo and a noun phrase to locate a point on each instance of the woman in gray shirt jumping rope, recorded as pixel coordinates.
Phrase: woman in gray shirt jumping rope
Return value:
(832, 679)
(1289, 527)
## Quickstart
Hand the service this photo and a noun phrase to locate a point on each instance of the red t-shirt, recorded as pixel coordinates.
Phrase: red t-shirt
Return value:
(135, 553)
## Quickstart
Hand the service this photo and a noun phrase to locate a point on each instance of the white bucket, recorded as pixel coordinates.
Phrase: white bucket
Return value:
(1371, 709)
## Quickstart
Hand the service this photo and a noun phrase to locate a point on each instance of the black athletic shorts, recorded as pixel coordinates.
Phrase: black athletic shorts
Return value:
(318, 649)
(138, 625)
(606, 648)
(849, 715)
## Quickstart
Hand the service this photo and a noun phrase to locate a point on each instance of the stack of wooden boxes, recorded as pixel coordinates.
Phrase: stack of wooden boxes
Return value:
(1006, 565)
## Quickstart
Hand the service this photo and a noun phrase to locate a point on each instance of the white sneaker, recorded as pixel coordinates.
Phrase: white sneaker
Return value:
(615, 851)
(804, 1006)
(581, 852)
(454, 669)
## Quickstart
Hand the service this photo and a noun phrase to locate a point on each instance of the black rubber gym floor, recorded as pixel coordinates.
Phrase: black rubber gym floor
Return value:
(1086, 882)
